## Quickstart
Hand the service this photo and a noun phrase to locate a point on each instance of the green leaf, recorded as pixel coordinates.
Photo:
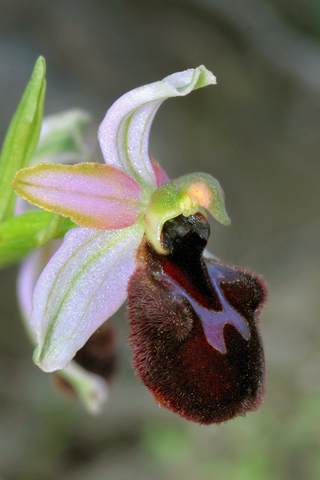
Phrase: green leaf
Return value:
(22, 137)
(19, 235)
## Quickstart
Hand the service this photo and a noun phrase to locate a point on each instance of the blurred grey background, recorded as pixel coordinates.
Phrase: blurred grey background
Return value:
(257, 131)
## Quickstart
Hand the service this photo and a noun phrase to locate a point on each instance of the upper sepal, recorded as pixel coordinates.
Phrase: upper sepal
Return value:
(124, 132)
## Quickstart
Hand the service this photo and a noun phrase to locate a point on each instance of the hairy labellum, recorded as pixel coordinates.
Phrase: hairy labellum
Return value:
(193, 331)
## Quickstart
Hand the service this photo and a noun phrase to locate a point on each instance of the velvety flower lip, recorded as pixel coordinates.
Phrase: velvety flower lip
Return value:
(213, 329)
(115, 205)
(194, 327)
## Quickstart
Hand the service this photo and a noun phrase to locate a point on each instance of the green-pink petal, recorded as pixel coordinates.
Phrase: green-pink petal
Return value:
(92, 195)
(160, 174)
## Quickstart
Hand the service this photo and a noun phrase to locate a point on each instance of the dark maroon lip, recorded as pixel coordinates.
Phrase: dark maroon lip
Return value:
(213, 321)
(193, 331)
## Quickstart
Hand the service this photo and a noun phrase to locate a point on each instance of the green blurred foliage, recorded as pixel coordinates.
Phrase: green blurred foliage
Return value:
(22, 136)
(20, 235)
(264, 445)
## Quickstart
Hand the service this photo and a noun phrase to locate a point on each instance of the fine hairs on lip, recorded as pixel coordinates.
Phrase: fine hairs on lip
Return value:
(172, 345)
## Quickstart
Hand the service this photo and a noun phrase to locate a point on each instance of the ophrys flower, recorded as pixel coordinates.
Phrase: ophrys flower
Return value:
(123, 208)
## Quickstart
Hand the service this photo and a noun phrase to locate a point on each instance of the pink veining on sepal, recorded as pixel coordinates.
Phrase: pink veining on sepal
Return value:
(93, 195)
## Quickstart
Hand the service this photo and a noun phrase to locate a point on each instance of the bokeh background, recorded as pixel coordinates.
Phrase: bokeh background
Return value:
(257, 131)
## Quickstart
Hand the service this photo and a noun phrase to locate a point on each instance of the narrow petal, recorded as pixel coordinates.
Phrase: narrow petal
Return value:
(83, 284)
(124, 132)
(92, 195)
(160, 174)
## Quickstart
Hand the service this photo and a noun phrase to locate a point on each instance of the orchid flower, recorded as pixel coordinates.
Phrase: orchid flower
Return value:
(194, 336)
